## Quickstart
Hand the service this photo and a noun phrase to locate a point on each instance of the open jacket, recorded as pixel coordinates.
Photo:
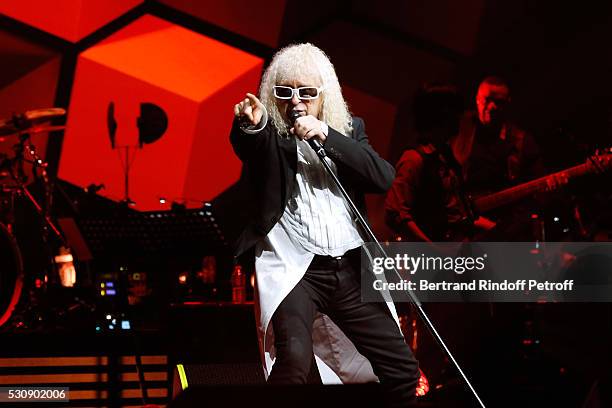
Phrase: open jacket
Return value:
(270, 165)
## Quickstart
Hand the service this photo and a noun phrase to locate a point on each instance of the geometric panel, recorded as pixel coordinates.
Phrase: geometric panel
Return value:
(279, 22)
(69, 19)
(454, 25)
(193, 78)
(28, 80)
(20, 56)
(393, 68)
(248, 18)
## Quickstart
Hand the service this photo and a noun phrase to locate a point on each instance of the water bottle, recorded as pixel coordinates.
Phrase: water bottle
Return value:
(238, 285)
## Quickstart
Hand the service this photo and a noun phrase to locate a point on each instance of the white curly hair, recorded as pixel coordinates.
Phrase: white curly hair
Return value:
(296, 63)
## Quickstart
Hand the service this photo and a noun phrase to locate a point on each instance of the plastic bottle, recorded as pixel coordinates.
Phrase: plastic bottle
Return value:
(238, 285)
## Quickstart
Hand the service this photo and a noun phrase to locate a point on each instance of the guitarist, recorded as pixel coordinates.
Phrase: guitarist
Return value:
(427, 198)
(494, 154)
(493, 151)
(425, 202)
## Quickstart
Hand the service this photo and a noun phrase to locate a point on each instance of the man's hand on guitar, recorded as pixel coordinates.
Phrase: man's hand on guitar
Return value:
(483, 223)
(556, 181)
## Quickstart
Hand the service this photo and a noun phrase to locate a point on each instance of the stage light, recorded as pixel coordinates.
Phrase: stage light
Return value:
(423, 385)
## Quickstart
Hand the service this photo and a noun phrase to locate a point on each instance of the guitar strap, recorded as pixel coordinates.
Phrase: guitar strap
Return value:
(445, 155)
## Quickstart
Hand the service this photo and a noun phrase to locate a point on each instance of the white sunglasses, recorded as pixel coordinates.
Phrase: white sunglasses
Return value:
(303, 92)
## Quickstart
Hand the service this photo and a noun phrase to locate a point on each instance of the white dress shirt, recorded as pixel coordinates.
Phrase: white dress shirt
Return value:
(316, 220)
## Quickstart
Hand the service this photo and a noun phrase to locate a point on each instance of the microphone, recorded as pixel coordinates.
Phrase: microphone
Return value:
(313, 143)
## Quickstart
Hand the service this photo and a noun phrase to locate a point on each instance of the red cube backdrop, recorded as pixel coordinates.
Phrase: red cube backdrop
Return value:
(71, 20)
(193, 160)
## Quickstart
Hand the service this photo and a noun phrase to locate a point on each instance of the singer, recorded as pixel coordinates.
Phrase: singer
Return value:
(304, 241)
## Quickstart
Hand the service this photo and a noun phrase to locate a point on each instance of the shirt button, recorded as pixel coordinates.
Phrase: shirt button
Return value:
(274, 219)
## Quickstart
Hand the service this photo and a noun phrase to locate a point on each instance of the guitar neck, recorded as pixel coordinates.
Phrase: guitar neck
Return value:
(515, 193)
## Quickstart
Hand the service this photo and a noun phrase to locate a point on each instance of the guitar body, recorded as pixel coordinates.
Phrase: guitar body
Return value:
(522, 224)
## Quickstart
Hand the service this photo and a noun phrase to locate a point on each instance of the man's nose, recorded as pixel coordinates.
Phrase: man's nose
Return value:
(295, 100)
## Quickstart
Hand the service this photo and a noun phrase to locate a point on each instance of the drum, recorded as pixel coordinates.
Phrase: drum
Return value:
(11, 274)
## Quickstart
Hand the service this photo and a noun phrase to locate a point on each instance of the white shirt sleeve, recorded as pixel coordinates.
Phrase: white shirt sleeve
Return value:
(251, 130)
(324, 128)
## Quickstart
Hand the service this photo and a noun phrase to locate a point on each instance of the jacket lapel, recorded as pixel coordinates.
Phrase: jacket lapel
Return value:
(287, 147)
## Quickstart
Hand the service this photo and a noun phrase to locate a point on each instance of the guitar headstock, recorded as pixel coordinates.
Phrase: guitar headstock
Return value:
(601, 160)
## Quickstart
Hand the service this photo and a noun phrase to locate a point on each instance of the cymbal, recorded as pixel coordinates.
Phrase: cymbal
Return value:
(35, 130)
(45, 129)
(25, 121)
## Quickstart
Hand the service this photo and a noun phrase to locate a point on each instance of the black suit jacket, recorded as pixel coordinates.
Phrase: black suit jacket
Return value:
(270, 165)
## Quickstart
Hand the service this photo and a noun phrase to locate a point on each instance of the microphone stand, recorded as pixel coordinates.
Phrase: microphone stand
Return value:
(320, 151)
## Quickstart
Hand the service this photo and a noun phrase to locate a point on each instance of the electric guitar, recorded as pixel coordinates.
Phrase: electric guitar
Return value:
(595, 164)
(465, 230)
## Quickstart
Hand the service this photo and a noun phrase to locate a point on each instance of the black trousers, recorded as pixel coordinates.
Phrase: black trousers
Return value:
(332, 286)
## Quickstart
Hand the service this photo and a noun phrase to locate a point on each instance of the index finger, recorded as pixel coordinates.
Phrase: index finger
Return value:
(253, 98)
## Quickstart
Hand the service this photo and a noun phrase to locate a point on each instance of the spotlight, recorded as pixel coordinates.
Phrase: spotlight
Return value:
(66, 269)
(182, 278)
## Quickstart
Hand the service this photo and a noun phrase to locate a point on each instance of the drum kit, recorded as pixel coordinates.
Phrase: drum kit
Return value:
(20, 165)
